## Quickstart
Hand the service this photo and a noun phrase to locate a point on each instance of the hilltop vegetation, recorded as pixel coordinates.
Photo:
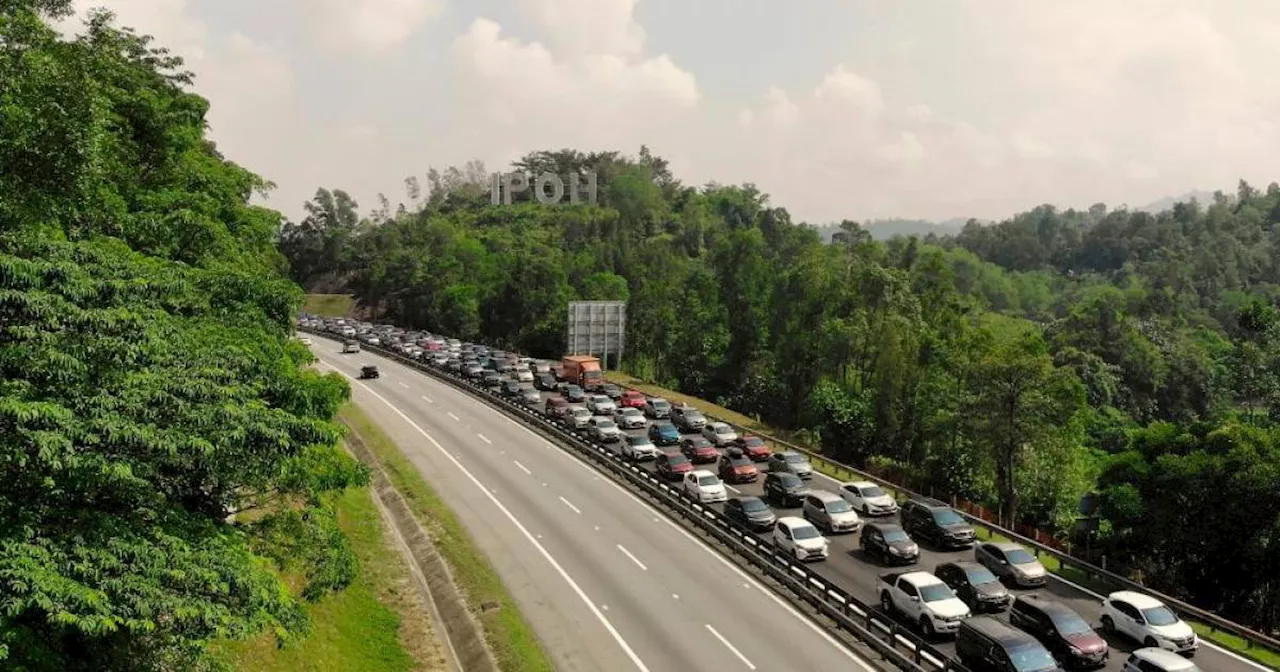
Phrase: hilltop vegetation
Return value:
(150, 395)
(1023, 364)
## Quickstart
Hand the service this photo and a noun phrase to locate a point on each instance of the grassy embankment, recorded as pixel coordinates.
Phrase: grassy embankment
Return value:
(1225, 640)
(515, 646)
(329, 305)
(378, 624)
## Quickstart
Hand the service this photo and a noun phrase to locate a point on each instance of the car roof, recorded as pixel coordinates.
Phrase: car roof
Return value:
(885, 527)
(717, 424)
(825, 495)
(930, 503)
(628, 409)
(1005, 634)
(794, 521)
(1008, 546)
(1165, 659)
(784, 475)
(701, 472)
(1136, 599)
(860, 484)
(1047, 605)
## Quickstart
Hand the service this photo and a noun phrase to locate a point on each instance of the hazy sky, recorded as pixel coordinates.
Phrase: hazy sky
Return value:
(837, 108)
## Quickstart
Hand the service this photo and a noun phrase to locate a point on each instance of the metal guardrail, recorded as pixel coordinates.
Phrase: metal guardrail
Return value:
(1215, 622)
(881, 632)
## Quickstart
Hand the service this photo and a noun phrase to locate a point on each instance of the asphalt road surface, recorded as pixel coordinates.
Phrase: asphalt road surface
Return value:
(856, 573)
(606, 582)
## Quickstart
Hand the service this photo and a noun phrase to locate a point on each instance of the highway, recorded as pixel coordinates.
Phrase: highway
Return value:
(849, 568)
(606, 582)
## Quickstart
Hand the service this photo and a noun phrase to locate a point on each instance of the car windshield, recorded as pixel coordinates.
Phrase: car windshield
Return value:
(581, 412)
(838, 506)
(723, 429)
(601, 399)
(630, 411)
(1019, 557)
(935, 593)
(677, 459)
(753, 441)
(872, 491)
(740, 462)
(790, 480)
(896, 535)
(637, 440)
(752, 505)
(806, 532)
(693, 415)
(666, 428)
(1070, 624)
(605, 424)
(708, 480)
(1159, 616)
(980, 576)
(947, 517)
(793, 458)
(660, 404)
(1032, 658)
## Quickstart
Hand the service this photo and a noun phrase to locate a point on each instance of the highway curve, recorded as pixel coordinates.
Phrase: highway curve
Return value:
(605, 581)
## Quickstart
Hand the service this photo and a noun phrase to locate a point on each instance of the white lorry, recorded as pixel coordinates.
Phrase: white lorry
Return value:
(924, 599)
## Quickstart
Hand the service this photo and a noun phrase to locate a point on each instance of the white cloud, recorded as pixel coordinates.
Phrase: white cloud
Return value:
(578, 28)
(520, 96)
(370, 25)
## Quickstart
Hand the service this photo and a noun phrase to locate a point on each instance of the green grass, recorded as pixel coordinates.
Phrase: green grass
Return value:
(515, 646)
(329, 305)
(1067, 572)
(374, 625)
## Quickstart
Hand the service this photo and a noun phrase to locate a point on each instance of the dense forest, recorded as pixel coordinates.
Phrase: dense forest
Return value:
(150, 394)
(1025, 364)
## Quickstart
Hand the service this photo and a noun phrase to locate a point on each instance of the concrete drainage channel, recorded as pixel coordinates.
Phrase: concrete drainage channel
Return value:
(463, 637)
(894, 643)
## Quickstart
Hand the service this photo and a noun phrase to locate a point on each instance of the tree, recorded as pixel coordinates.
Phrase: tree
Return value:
(1020, 400)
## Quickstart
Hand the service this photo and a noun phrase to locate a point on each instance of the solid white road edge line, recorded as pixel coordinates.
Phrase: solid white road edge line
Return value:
(731, 647)
(633, 558)
(866, 667)
(514, 521)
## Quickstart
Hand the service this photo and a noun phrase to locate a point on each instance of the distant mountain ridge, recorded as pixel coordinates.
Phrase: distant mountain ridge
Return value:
(884, 229)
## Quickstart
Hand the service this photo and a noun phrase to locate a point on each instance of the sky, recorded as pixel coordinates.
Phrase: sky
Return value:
(838, 109)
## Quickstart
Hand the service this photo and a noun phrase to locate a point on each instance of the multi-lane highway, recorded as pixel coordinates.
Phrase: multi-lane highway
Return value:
(607, 582)
(846, 567)
(849, 568)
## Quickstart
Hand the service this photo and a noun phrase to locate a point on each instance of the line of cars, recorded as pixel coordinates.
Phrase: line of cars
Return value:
(954, 598)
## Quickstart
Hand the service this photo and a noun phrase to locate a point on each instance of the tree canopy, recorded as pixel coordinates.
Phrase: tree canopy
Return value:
(1021, 364)
(158, 426)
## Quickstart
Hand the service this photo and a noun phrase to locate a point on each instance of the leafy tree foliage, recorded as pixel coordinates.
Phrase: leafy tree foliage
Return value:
(1020, 364)
(149, 392)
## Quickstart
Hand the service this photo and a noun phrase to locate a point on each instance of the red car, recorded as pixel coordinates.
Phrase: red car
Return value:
(699, 450)
(753, 447)
(631, 399)
(672, 466)
(737, 468)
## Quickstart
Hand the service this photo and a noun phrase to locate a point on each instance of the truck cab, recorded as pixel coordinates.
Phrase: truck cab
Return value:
(924, 599)
(583, 371)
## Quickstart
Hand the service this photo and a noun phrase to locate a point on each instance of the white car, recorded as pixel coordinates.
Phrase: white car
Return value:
(1158, 660)
(579, 417)
(640, 448)
(601, 404)
(719, 433)
(524, 375)
(800, 538)
(868, 498)
(304, 340)
(1145, 619)
(629, 418)
(603, 429)
(704, 486)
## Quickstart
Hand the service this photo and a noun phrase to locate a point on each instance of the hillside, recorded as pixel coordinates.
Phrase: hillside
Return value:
(150, 393)
(1021, 364)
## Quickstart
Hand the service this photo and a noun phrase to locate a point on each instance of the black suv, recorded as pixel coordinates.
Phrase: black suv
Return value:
(983, 643)
(936, 523)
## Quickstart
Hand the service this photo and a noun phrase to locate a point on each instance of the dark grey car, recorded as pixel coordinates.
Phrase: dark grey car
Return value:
(751, 512)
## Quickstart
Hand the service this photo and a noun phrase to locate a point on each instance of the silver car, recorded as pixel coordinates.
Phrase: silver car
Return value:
(791, 462)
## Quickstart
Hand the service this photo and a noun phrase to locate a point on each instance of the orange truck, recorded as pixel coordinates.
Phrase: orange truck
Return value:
(583, 371)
